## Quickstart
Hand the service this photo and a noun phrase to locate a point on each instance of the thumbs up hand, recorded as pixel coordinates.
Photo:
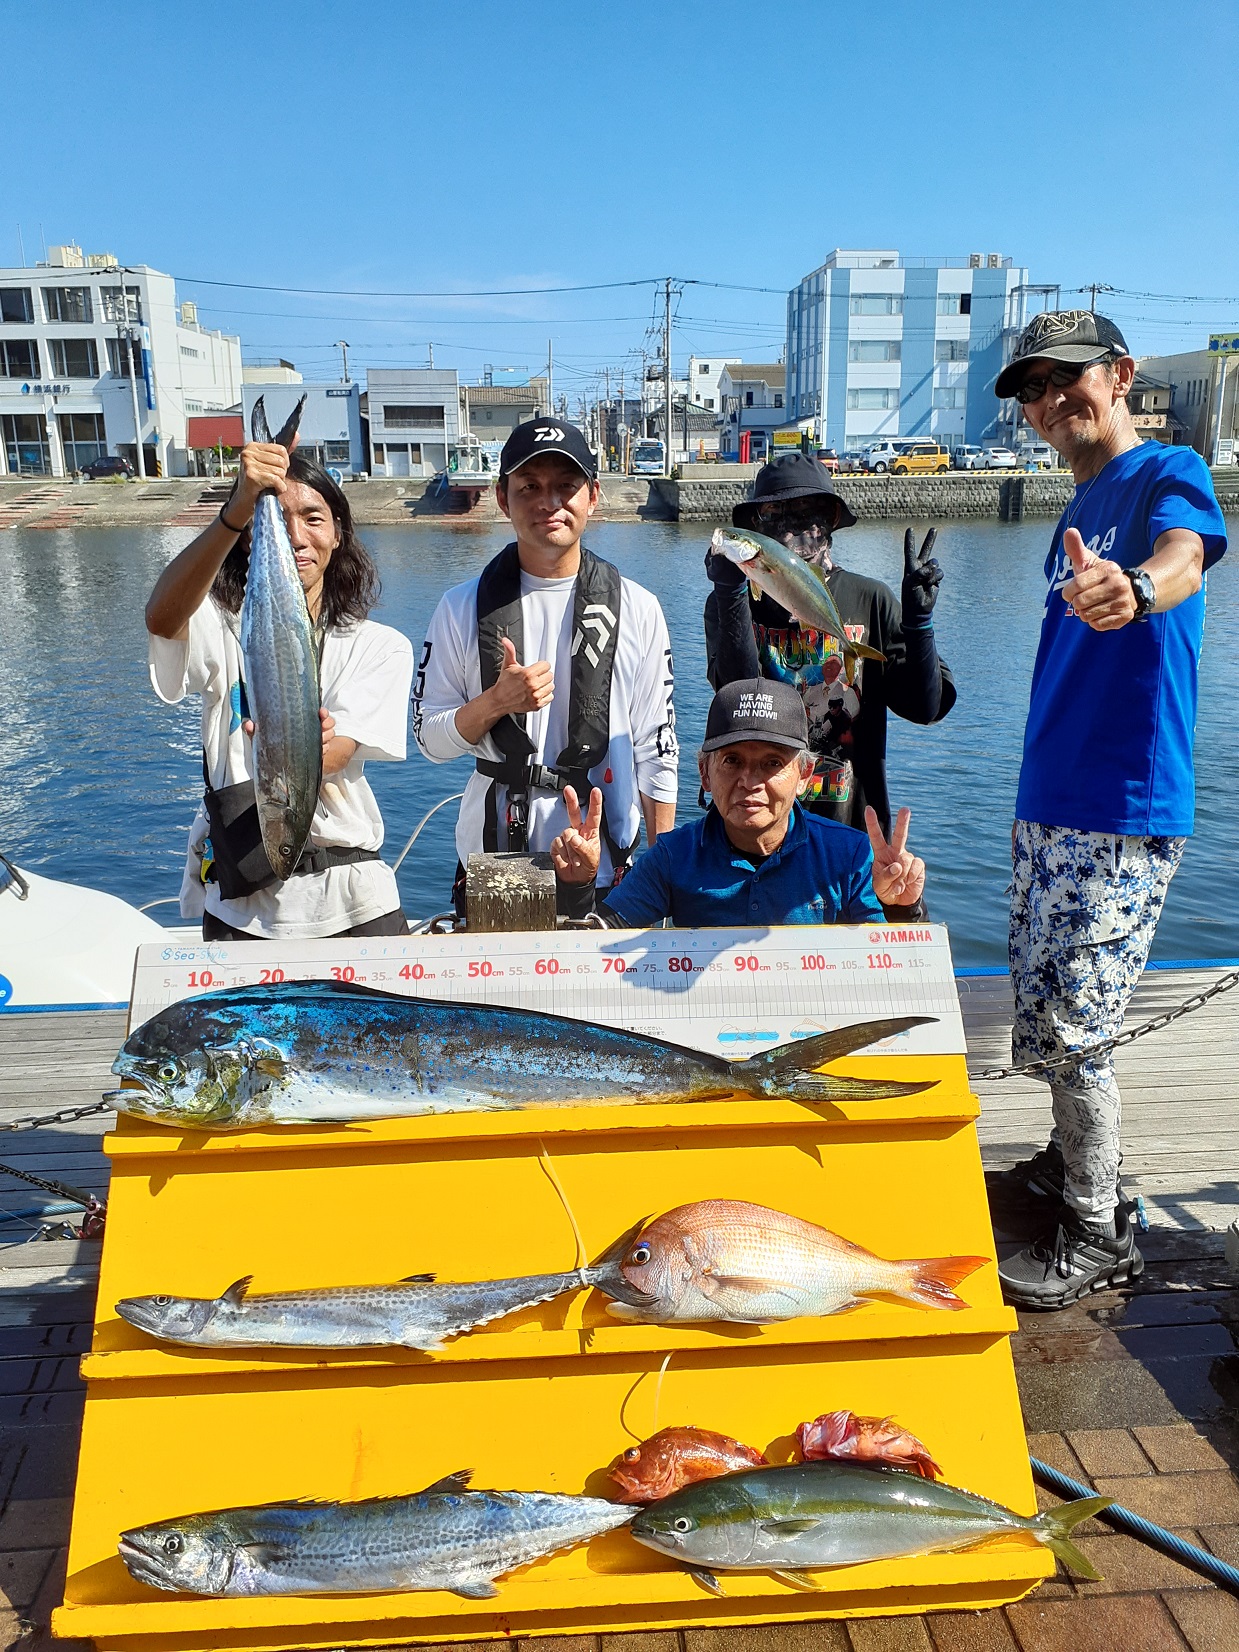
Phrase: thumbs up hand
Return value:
(1100, 593)
(521, 688)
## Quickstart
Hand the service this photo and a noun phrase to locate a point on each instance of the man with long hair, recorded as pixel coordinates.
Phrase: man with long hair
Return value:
(340, 886)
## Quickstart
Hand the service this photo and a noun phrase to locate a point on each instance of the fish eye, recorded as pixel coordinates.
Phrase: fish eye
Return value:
(633, 1454)
(174, 1543)
(641, 1255)
(683, 1524)
(162, 1301)
(168, 1071)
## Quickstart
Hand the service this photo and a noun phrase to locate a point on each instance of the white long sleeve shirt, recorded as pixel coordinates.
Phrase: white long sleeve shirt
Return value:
(642, 755)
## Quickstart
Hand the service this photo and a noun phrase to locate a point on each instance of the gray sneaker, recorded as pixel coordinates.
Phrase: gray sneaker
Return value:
(1073, 1262)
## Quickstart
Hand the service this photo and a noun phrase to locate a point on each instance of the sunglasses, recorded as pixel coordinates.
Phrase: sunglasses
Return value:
(1036, 385)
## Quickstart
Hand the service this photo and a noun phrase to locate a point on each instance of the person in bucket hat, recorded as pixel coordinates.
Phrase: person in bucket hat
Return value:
(748, 634)
(1106, 797)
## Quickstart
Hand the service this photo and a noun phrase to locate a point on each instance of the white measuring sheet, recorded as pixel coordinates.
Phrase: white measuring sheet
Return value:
(732, 992)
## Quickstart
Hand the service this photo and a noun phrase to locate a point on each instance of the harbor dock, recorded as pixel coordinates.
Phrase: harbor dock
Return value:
(1135, 1391)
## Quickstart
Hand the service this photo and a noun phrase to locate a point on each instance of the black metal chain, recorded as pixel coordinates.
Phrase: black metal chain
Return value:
(74, 1195)
(1087, 1051)
(66, 1115)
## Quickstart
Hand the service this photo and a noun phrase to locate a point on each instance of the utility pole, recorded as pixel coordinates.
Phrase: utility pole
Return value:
(1093, 288)
(430, 351)
(341, 345)
(125, 341)
(667, 375)
(550, 377)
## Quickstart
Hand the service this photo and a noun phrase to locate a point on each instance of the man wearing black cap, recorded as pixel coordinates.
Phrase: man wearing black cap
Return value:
(1106, 795)
(550, 670)
(794, 501)
(756, 856)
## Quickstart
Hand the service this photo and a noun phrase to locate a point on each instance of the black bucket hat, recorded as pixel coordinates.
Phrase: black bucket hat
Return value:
(790, 476)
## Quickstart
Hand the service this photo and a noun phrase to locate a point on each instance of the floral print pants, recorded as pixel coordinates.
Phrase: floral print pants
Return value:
(1084, 908)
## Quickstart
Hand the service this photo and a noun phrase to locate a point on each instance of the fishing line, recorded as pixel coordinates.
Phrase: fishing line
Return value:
(582, 1255)
(658, 1391)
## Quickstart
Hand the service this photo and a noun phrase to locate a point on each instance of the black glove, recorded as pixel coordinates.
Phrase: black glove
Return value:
(921, 578)
(726, 574)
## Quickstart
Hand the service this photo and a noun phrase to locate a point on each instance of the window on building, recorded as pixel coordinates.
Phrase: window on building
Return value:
(380, 454)
(703, 366)
(951, 396)
(112, 303)
(188, 350)
(709, 402)
(19, 358)
(74, 358)
(25, 444)
(778, 398)
(951, 349)
(67, 304)
(748, 398)
(405, 416)
(15, 304)
(954, 303)
(874, 349)
(83, 438)
(193, 407)
(335, 453)
(872, 401)
(120, 353)
(875, 304)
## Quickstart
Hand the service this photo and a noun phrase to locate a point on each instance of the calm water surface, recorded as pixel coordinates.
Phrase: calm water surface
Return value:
(99, 781)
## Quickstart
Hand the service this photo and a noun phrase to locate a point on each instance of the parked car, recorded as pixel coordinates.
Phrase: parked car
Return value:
(852, 462)
(828, 457)
(965, 456)
(1039, 456)
(996, 458)
(107, 465)
(880, 456)
(921, 458)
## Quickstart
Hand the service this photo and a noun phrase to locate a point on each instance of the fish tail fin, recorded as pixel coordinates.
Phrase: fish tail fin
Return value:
(1053, 1528)
(259, 428)
(288, 430)
(789, 1070)
(933, 1280)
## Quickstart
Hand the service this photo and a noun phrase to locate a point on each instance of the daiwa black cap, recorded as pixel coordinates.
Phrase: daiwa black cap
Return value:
(1078, 337)
(791, 476)
(757, 708)
(538, 436)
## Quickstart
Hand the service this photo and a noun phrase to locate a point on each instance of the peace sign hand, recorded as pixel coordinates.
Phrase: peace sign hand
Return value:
(577, 850)
(898, 875)
(922, 576)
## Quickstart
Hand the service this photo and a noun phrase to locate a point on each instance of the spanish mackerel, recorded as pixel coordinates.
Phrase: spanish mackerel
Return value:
(281, 675)
(416, 1313)
(795, 585)
(446, 1537)
(328, 1052)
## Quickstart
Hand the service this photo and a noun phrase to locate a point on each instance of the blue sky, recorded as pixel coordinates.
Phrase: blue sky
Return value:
(414, 147)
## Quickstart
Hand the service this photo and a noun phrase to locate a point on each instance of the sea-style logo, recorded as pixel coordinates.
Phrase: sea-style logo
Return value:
(6, 990)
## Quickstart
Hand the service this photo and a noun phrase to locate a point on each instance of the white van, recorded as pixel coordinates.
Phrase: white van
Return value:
(880, 456)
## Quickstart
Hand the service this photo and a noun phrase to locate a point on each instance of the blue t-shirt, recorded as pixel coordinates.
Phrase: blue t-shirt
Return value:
(1112, 715)
(821, 873)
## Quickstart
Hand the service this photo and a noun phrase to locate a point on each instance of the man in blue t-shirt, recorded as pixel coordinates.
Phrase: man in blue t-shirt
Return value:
(1106, 795)
(755, 857)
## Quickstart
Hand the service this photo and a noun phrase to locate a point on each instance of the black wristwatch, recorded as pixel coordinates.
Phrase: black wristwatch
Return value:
(1143, 590)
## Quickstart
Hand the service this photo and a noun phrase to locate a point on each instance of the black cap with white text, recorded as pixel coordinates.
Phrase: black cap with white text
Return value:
(537, 436)
(756, 708)
(1075, 337)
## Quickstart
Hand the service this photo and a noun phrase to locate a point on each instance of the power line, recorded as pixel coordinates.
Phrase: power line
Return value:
(482, 292)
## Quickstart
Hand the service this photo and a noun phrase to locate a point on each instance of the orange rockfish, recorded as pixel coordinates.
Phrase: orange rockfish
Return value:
(842, 1435)
(723, 1259)
(674, 1458)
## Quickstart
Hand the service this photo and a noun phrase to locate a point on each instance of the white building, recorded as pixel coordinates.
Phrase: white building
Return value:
(1199, 384)
(881, 345)
(77, 335)
(753, 402)
(414, 416)
(705, 374)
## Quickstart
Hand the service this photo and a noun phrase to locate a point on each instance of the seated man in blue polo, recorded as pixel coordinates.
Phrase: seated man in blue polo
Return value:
(755, 857)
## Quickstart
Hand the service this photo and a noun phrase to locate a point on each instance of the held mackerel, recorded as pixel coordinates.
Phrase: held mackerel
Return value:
(446, 1537)
(416, 1313)
(281, 675)
(795, 585)
(328, 1052)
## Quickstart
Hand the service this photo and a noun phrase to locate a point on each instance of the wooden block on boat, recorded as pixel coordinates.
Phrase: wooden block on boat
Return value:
(508, 892)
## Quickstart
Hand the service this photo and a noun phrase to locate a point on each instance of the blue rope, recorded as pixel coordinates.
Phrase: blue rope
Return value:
(1157, 1537)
